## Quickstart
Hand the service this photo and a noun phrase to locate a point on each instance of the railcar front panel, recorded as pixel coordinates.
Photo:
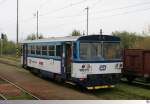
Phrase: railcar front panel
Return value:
(81, 70)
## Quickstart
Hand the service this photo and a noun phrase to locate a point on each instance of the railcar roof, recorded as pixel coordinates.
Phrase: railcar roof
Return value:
(75, 38)
(53, 39)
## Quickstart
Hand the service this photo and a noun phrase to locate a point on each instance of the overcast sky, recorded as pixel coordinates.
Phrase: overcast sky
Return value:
(60, 17)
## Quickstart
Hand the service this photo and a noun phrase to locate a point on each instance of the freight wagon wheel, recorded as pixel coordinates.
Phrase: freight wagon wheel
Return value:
(148, 80)
(130, 78)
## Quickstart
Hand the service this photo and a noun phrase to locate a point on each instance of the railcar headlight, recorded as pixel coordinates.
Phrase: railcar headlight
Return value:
(121, 65)
(83, 66)
(88, 66)
(117, 66)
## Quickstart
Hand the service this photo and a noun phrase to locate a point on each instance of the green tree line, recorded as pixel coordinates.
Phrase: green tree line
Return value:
(128, 40)
(133, 40)
(7, 47)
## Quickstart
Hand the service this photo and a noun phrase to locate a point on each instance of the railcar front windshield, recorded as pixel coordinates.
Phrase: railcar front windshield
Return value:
(100, 51)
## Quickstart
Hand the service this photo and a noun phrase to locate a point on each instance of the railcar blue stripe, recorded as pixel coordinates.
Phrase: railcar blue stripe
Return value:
(105, 61)
(45, 57)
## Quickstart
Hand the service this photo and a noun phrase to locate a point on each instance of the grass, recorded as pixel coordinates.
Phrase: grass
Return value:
(11, 57)
(24, 96)
(120, 92)
(123, 92)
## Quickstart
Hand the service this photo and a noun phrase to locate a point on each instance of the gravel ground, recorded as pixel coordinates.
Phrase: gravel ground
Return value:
(50, 90)
(41, 88)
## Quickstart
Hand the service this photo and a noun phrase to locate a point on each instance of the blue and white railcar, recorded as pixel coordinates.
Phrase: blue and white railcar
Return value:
(92, 61)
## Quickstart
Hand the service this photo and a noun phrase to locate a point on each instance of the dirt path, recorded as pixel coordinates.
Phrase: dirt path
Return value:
(41, 88)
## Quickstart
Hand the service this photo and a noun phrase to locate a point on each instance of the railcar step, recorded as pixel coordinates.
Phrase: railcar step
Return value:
(72, 83)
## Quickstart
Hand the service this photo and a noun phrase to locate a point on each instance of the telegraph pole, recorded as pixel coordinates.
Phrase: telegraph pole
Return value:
(87, 8)
(1, 46)
(17, 21)
(37, 33)
(17, 30)
(101, 32)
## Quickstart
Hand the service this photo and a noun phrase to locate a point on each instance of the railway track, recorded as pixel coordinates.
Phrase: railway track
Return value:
(2, 97)
(137, 84)
(18, 87)
(7, 63)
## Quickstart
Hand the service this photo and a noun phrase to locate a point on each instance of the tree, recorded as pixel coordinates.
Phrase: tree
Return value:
(128, 40)
(41, 36)
(75, 33)
(31, 37)
(34, 36)
(8, 47)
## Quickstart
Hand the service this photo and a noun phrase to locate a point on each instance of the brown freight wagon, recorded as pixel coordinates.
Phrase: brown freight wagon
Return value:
(136, 64)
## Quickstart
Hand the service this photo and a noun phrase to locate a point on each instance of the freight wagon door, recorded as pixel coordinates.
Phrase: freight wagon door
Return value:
(147, 64)
(133, 62)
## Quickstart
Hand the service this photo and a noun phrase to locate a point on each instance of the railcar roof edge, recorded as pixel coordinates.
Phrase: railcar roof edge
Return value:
(75, 38)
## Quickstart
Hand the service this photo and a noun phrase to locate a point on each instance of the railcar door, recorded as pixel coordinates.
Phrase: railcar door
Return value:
(24, 53)
(67, 60)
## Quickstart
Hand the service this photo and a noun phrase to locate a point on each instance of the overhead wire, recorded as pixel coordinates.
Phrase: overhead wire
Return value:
(124, 13)
(67, 6)
(95, 4)
(107, 10)
(129, 6)
(62, 8)
(43, 4)
(76, 15)
(103, 17)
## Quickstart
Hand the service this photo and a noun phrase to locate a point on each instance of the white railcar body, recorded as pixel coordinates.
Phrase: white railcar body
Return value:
(50, 65)
(65, 60)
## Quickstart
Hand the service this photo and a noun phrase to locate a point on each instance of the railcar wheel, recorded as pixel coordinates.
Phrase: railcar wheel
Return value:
(148, 80)
(59, 79)
(40, 75)
(130, 79)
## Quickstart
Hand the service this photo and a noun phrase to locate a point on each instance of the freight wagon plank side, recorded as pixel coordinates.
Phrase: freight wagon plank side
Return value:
(136, 64)
(147, 64)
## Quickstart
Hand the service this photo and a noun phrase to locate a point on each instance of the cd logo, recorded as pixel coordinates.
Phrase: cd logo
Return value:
(102, 67)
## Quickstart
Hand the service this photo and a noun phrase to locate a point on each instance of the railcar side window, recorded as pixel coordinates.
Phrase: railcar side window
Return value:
(51, 50)
(44, 50)
(38, 50)
(58, 50)
(33, 49)
(29, 49)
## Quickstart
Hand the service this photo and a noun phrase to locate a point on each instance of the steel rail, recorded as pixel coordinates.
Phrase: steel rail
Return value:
(20, 88)
(137, 84)
(3, 97)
